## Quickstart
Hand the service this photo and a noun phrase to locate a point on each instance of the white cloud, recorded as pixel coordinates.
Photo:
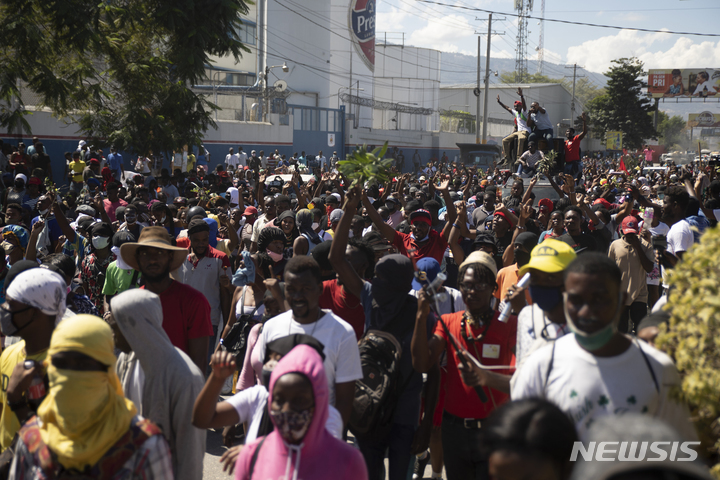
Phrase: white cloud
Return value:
(390, 21)
(446, 36)
(596, 55)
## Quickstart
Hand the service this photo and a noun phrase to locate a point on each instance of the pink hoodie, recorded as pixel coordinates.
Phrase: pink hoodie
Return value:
(320, 456)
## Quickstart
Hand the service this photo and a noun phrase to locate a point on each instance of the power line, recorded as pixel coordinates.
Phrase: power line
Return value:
(568, 22)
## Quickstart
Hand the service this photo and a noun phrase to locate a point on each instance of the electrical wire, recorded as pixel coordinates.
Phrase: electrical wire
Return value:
(569, 22)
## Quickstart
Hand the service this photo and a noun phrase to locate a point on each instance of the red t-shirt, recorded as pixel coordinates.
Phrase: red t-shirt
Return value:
(183, 242)
(572, 149)
(496, 348)
(186, 314)
(343, 304)
(110, 207)
(435, 246)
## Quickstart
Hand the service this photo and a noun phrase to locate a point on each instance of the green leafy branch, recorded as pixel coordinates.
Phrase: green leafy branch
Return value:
(364, 166)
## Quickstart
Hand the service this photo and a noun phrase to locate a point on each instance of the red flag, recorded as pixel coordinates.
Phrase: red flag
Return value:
(622, 165)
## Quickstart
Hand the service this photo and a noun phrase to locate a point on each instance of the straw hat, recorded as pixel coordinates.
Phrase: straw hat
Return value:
(156, 237)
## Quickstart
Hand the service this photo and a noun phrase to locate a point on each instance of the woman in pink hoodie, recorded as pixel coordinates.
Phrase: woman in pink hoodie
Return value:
(298, 405)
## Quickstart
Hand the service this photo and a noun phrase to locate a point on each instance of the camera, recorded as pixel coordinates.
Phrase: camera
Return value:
(659, 242)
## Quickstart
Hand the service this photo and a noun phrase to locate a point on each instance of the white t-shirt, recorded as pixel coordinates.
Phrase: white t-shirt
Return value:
(542, 120)
(587, 387)
(531, 323)
(232, 159)
(342, 357)
(251, 403)
(679, 239)
(242, 158)
(453, 303)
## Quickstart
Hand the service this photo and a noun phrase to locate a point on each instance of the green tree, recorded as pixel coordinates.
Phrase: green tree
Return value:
(120, 70)
(623, 107)
(585, 90)
(509, 77)
(672, 130)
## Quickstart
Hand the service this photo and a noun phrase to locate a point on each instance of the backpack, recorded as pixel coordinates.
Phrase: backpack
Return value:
(376, 394)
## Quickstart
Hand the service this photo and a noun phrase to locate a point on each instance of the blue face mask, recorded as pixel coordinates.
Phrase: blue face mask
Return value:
(245, 274)
(547, 298)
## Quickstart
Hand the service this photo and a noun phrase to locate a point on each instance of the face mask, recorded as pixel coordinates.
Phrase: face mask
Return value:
(522, 258)
(276, 257)
(546, 298)
(292, 426)
(130, 219)
(597, 340)
(162, 221)
(315, 225)
(7, 325)
(100, 242)
(245, 274)
(43, 212)
(422, 240)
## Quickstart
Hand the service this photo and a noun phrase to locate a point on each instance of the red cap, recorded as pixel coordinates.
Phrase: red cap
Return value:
(94, 161)
(34, 181)
(250, 211)
(546, 203)
(603, 202)
(518, 103)
(629, 225)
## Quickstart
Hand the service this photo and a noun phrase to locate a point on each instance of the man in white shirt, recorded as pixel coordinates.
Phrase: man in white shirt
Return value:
(242, 157)
(232, 160)
(519, 111)
(322, 161)
(679, 238)
(303, 287)
(599, 371)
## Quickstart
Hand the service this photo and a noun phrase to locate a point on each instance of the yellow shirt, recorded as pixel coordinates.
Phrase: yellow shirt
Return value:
(77, 167)
(11, 356)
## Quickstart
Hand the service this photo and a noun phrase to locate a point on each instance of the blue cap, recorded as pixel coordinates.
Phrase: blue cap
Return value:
(430, 266)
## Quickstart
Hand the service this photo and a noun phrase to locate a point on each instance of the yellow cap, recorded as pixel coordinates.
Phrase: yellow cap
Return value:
(550, 256)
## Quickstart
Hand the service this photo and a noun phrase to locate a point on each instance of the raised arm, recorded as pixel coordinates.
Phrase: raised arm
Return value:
(387, 231)
(64, 225)
(346, 273)
(529, 190)
(503, 105)
(585, 128)
(522, 98)
(451, 212)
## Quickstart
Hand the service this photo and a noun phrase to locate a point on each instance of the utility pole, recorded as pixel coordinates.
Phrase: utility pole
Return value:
(572, 104)
(477, 96)
(487, 77)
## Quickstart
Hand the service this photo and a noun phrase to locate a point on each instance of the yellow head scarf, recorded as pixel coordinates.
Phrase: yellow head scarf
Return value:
(84, 413)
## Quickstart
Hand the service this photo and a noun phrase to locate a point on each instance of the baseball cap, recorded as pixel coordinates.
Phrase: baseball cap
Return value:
(546, 203)
(250, 211)
(376, 240)
(550, 256)
(420, 216)
(485, 239)
(430, 267)
(629, 225)
(34, 181)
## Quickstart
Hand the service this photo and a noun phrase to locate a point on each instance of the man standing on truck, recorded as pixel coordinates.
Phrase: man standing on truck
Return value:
(519, 111)
(573, 165)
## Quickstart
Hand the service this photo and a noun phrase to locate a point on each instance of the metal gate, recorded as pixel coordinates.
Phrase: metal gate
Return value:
(317, 128)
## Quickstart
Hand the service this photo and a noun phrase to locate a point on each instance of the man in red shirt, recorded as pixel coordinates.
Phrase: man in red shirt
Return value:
(113, 201)
(186, 312)
(423, 241)
(343, 303)
(572, 148)
(484, 337)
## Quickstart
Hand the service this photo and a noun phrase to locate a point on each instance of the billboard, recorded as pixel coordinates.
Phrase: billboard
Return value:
(686, 82)
(361, 19)
(613, 140)
(704, 119)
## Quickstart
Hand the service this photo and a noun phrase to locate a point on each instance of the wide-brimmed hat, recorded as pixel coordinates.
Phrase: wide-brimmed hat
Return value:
(156, 237)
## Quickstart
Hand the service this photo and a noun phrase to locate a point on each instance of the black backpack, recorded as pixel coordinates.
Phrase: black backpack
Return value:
(377, 393)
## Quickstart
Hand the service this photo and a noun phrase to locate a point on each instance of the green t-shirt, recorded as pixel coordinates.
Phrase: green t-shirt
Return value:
(117, 280)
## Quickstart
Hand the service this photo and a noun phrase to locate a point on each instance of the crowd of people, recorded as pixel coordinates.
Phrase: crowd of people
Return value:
(448, 318)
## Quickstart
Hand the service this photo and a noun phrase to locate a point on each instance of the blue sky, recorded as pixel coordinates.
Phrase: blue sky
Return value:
(449, 29)
(453, 30)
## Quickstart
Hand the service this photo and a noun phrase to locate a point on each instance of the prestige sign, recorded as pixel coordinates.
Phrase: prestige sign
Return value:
(361, 21)
(704, 119)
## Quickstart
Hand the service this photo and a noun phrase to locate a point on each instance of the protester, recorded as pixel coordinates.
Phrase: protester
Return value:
(85, 425)
(598, 370)
(186, 312)
(300, 446)
(161, 380)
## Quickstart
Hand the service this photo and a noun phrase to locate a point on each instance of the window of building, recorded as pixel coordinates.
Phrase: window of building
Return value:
(241, 79)
(246, 33)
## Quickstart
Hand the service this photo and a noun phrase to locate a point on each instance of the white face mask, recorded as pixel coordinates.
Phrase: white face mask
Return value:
(43, 212)
(100, 242)
(315, 225)
(162, 221)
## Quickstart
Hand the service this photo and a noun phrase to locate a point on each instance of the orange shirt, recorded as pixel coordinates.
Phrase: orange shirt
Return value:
(506, 278)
